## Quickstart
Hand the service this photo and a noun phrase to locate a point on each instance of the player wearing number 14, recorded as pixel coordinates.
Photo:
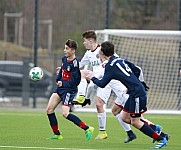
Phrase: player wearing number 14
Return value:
(135, 106)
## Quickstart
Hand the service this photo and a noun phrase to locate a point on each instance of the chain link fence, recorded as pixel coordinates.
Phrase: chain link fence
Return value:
(60, 20)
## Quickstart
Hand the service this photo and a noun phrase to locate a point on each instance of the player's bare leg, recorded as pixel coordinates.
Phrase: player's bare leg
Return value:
(52, 104)
(116, 110)
(77, 121)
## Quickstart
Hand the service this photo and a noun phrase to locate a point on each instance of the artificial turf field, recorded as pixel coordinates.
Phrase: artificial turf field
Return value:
(28, 129)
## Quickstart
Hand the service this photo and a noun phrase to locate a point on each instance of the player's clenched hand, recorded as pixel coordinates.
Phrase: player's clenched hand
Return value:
(59, 83)
(89, 75)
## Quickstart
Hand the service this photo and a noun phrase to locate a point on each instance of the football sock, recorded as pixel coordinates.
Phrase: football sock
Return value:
(125, 126)
(53, 123)
(153, 126)
(102, 121)
(77, 121)
(149, 123)
(82, 87)
(130, 133)
(150, 132)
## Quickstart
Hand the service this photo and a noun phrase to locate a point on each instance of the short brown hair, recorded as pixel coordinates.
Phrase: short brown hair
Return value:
(72, 44)
(107, 48)
(89, 34)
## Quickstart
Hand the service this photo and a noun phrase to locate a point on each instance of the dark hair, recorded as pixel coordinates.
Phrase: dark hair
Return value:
(72, 44)
(89, 34)
(107, 48)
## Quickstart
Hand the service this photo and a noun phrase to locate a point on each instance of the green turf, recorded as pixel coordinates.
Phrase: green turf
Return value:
(29, 129)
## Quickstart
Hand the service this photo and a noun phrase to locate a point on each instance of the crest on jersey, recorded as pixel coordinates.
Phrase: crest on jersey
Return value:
(97, 56)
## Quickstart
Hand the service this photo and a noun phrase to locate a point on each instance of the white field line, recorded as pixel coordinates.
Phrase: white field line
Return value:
(49, 148)
(20, 114)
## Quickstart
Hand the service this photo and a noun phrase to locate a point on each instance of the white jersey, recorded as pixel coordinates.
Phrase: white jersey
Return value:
(91, 57)
(115, 85)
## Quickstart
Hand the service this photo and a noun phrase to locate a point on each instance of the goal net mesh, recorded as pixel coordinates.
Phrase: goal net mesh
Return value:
(158, 54)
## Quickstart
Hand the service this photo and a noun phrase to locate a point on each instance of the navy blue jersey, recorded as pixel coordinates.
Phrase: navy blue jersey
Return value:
(69, 74)
(124, 71)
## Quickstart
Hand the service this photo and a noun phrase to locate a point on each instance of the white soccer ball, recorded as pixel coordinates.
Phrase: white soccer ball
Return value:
(36, 73)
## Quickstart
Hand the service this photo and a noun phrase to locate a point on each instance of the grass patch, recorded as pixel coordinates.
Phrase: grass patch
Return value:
(29, 130)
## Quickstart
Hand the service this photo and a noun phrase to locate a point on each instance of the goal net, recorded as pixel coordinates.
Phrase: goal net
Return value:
(158, 54)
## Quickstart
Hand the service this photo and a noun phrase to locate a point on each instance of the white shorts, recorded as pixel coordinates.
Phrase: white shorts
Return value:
(120, 101)
(103, 93)
(120, 91)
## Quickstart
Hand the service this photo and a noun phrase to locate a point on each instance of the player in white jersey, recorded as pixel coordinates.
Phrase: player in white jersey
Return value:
(103, 94)
(136, 72)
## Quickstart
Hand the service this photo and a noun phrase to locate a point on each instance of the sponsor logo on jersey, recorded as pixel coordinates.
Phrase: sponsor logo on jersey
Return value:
(95, 63)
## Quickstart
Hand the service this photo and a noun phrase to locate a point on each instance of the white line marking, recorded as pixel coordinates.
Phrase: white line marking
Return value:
(22, 147)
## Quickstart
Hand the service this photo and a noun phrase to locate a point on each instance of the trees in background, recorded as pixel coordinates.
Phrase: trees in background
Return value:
(71, 17)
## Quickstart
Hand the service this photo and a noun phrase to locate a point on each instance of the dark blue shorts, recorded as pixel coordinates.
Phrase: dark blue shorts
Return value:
(136, 105)
(66, 96)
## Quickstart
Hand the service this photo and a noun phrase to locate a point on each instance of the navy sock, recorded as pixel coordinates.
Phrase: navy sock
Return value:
(77, 121)
(150, 132)
(130, 133)
(53, 123)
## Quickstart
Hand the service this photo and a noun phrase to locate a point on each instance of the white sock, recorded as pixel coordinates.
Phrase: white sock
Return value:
(102, 121)
(82, 87)
(125, 126)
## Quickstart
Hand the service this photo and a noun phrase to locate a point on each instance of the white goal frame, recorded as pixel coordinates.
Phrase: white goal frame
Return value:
(157, 35)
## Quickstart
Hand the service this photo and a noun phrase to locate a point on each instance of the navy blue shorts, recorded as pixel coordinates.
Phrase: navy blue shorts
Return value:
(66, 96)
(136, 105)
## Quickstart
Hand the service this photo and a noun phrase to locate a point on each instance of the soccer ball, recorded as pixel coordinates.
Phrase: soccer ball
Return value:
(36, 73)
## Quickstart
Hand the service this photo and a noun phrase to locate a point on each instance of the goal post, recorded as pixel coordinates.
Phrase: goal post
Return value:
(158, 53)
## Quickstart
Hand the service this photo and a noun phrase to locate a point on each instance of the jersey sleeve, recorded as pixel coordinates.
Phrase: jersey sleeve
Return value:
(84, 61)
(141, 75)
(136, 70)
(59, 76)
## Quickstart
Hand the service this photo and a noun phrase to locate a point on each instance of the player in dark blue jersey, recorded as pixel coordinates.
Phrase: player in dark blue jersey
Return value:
(67, 81)
(122, 70)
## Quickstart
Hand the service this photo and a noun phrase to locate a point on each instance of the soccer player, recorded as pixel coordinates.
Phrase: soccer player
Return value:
(120, 69)
(92, 57)
(120, 90)
(67, 81)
